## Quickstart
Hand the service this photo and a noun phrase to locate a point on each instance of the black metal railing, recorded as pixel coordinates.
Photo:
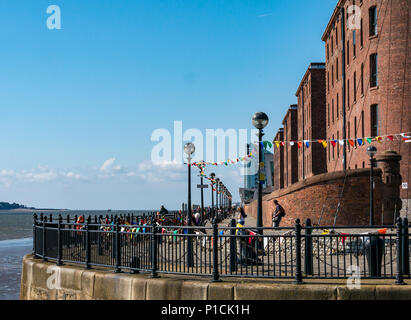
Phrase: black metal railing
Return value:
(299, 252)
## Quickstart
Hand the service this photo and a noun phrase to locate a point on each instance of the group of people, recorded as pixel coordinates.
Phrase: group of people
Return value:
(276, 215)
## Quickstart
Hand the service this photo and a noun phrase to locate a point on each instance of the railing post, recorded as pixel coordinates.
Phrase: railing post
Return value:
(308, 257)
(216, 275)
(44, 238)
(88, 249)
(34, 235)
(405, 248)
(399, 276)
(233, 247)
(298, 272)
(59, 242)
(117, 247)
(154, 250)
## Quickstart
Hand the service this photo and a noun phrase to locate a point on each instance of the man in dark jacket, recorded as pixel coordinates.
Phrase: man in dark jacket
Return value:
(278, 214)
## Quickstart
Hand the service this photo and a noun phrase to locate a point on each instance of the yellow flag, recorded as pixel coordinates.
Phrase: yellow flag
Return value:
(324, 144)
(277, 143)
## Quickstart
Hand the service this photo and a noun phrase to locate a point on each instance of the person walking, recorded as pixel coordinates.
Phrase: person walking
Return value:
(278, 214)
(241, 216)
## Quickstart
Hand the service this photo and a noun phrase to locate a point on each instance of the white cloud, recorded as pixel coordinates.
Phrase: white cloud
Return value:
(106, 166)
(39, 175)
(161, 171)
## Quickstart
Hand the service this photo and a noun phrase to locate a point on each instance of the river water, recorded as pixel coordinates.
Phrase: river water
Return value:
(16, 240)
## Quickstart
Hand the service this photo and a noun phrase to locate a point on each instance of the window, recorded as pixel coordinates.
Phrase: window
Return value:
(374, 120)
(338, 102)
(328, 53)
(373, 21)
(362, 78)
(355, 86)
(348, 94)
(336, 70)
(362, 125)
(333, 110)
(332, 46)
(374, 70)
(354, 42)
(348, 52)
(348, 134)
(328, 114)
(336, 36)
(361, 34)
(332, 76)
(328, 81)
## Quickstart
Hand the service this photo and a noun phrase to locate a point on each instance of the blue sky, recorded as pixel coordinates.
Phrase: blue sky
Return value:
(78, 105)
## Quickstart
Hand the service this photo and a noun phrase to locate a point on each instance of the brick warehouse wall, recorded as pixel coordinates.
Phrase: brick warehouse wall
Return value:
(392, 94)
(308, 198)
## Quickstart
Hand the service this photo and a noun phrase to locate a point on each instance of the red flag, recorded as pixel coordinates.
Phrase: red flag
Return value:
(351, 143)
(333, 143)
(300, 144)
(390, 138)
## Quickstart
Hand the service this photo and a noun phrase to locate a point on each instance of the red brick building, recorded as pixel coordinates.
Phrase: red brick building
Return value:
(362, 91)
(368, 77)
(290, 154)
(311, 120)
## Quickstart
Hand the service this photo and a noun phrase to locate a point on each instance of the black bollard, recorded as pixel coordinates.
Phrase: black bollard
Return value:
(308, 257)
(374, 248)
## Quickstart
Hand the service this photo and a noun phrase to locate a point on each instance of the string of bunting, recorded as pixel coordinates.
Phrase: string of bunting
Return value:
(406, 137)
(202, 164)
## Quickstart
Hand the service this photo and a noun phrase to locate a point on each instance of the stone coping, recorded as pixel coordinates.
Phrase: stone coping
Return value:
(321, 179)
(77, 283)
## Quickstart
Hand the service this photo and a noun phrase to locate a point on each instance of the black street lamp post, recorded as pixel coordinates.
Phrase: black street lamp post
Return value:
(212, 177)
(260, 121)
(217, 183)
(189, 149)
(372, 151)
(202, 195)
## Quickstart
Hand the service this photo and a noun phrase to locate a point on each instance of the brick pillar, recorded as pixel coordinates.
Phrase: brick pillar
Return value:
(389, 162)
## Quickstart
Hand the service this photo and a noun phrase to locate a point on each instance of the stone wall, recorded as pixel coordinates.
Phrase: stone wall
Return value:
(340, 198)
(77, 283)
(322, 195)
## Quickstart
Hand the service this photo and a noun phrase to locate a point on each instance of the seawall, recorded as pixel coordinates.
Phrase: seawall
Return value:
(40, 282)
(344, 195)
